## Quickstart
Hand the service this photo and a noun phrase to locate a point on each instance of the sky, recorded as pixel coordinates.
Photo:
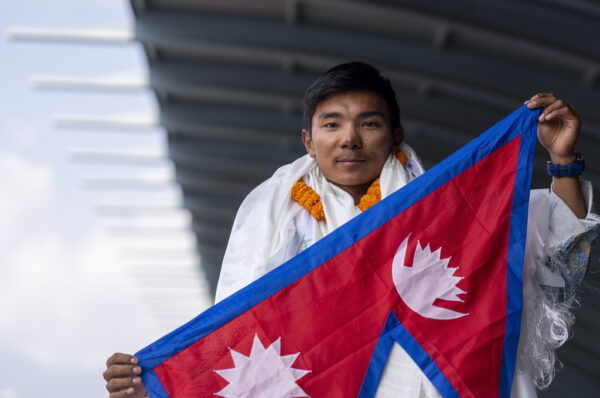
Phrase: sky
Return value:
(66, 300)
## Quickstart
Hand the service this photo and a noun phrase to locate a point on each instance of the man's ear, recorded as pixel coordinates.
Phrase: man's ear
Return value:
(398, 136)
(308, 144)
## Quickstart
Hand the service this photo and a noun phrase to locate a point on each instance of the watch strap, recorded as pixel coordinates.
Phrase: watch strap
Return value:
(567, 170)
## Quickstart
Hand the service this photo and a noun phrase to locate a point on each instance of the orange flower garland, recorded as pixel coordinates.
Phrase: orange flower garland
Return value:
(402, 158)
(308, 199)
(372, 196)
(311, 201)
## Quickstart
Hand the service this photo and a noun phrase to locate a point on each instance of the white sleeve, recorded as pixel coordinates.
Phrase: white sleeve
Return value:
(558, 242)
(556, 257)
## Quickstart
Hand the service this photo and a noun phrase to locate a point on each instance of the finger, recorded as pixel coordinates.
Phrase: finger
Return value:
(122, 383)
(122, 394)
(558, 104)
(120, 358)
(563, 112)
(540, 100)
(545, 95)
(533, 97)
(122, 371)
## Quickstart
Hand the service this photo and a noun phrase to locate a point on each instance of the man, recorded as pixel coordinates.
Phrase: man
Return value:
(356, 156)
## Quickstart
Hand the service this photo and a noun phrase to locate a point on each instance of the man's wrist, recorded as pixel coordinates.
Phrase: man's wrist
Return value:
(558, 159)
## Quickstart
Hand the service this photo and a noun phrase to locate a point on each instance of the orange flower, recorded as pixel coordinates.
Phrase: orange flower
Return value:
(372, 196)
(308, 199)
(402, 158)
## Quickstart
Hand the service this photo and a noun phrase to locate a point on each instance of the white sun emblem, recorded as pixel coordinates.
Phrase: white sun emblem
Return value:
(428, 279)
(265, 373)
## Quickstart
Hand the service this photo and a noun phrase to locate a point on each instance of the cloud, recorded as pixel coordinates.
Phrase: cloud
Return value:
(23, 185)
(8, 393)
(61, 304)
(64, 307)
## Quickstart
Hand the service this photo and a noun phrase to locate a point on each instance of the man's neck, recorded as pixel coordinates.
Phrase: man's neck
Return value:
(356, 191)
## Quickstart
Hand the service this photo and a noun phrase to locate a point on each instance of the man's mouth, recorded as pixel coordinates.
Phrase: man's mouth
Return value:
(350, 161)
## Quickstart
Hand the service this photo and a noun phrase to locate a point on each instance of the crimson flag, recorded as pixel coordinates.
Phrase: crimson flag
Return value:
(436, 267)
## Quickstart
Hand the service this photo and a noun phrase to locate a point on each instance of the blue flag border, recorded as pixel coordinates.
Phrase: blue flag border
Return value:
(522, 121)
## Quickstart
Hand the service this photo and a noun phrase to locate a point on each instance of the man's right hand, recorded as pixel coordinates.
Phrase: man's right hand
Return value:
(122, 377)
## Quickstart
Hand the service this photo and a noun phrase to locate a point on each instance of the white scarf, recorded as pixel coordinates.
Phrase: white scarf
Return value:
(265, 220)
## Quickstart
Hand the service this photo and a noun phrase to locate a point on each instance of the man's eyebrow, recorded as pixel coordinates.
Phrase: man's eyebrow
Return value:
(328, 115)
(372, 113)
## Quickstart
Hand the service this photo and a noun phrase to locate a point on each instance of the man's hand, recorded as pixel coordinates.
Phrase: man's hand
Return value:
(558, 129)
(122, 377)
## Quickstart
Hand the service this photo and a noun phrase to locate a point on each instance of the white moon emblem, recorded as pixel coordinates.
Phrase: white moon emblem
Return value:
(428, 279)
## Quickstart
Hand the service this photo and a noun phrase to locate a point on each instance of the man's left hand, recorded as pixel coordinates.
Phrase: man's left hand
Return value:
(558, 127)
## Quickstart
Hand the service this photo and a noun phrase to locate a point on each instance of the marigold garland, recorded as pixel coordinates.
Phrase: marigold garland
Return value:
(402, 158)
(372, 196)
(308, 199)
(311, 201)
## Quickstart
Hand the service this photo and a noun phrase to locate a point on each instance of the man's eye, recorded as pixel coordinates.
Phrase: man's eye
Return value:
(330, 125)
(371, 124)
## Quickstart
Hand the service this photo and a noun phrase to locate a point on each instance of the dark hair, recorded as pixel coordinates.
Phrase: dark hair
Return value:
(350, 76)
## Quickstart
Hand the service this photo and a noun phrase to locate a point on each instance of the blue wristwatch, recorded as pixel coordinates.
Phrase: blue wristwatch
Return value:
(567, 170)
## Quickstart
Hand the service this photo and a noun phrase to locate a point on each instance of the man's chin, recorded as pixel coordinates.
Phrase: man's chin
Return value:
(351, 182)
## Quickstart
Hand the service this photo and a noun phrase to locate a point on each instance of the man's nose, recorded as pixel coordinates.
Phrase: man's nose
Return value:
(351, 137)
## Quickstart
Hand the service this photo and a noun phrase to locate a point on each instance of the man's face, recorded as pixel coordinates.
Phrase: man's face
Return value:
(351, 139)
